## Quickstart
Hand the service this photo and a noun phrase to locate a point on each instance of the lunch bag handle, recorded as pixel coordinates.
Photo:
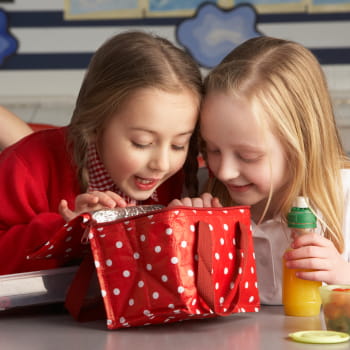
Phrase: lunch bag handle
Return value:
(205, 280)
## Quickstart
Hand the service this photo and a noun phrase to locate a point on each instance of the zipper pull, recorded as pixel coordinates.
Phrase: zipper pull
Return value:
(85, 236)
(86, 221)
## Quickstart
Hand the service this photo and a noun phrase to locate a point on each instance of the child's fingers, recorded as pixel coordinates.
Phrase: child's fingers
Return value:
(62, 206)
(309, 264)
(175, 203)
(210, 201)
(311, 239)
(186, 202)
(199, 203)
(119, 201)
(107, 199)
(64, 211)
(86, 199)
(312, 275)
(216, 203)
(305, 252)
(93, 199)
(206, 200)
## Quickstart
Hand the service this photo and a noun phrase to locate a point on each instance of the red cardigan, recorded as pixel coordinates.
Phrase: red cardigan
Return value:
(35, 174)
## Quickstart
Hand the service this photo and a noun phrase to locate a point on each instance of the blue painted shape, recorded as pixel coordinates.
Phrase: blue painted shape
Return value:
(212, 33)
(8, 43)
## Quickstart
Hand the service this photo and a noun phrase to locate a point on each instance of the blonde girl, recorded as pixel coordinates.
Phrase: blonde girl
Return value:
(269, 135)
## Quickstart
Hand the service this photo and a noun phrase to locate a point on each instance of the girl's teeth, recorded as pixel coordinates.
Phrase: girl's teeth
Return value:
(143, 181)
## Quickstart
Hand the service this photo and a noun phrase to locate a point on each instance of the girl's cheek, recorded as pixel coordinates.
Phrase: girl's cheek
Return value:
(178, 163)
(129, 162)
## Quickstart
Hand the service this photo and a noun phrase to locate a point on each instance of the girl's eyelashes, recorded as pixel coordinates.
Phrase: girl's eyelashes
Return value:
(243, 157)
(178, 148)
(140, 145)
(144, 146)
(250, 159)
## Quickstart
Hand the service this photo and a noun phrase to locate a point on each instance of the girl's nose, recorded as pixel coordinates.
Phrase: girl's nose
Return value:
(160, 161)
(228, 169)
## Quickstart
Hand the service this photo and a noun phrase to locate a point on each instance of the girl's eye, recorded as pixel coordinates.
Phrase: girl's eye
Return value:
(251, 159)
(143, 146)
(140, 145)
(178, 147)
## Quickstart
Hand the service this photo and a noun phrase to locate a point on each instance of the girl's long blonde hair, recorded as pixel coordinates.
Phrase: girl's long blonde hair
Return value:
(287, 90)
(125, 63)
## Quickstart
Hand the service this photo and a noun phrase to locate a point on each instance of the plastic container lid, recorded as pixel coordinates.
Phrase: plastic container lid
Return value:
(301, 216)
(320, 337)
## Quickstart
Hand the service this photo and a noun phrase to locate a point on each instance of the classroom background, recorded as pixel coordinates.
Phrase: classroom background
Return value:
(45, 46)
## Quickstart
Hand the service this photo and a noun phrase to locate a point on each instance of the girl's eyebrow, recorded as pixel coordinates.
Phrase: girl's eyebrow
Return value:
(154, 132)
(245, 146)
(250, 148)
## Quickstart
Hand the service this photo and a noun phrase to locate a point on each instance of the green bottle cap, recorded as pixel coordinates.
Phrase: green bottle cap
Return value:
(301, 216)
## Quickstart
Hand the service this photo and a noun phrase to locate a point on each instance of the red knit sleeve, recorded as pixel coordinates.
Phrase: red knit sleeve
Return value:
(29, 204)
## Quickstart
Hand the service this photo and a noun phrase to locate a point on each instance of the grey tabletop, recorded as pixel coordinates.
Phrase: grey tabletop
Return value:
(55, 329)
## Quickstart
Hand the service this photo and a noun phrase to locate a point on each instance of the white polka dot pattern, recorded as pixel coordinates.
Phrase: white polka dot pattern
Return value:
(152, 266)
(148, 267)
(66, 244)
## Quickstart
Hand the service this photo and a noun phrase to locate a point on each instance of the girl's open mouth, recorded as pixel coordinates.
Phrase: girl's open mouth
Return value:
(243, 188)
(144, 184)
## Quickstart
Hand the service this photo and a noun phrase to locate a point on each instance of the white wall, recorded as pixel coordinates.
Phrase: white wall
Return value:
(48, 96)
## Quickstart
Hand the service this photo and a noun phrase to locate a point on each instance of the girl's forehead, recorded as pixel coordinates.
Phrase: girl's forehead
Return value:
(220, 108)
(231, 120)
(157, 111)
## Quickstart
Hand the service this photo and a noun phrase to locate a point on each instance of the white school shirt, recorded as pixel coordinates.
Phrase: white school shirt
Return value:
(272, 238)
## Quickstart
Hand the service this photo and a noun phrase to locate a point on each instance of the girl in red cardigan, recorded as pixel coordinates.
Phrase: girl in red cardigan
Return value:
(127, 143)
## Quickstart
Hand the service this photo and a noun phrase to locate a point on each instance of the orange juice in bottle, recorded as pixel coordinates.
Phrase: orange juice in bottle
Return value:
(300, 297)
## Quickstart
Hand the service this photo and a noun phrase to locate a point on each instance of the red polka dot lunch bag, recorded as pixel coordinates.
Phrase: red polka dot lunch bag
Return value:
(169, 264)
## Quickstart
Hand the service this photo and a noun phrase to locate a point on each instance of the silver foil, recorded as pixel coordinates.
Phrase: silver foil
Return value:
(109, 215)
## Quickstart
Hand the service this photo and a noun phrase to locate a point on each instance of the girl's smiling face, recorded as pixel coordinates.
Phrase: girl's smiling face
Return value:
(147, 140)
(246, 159)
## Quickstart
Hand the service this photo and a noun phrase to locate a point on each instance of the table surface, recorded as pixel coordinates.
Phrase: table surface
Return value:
(52, 328)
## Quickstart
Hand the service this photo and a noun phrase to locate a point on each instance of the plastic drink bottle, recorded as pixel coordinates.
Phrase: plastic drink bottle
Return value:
(300, 297)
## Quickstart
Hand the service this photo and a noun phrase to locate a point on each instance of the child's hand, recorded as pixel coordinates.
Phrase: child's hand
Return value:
(206, 200)
(90, 201)
(318, 254)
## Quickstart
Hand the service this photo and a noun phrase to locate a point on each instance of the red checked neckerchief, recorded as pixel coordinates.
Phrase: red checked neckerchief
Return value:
(100, 180)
